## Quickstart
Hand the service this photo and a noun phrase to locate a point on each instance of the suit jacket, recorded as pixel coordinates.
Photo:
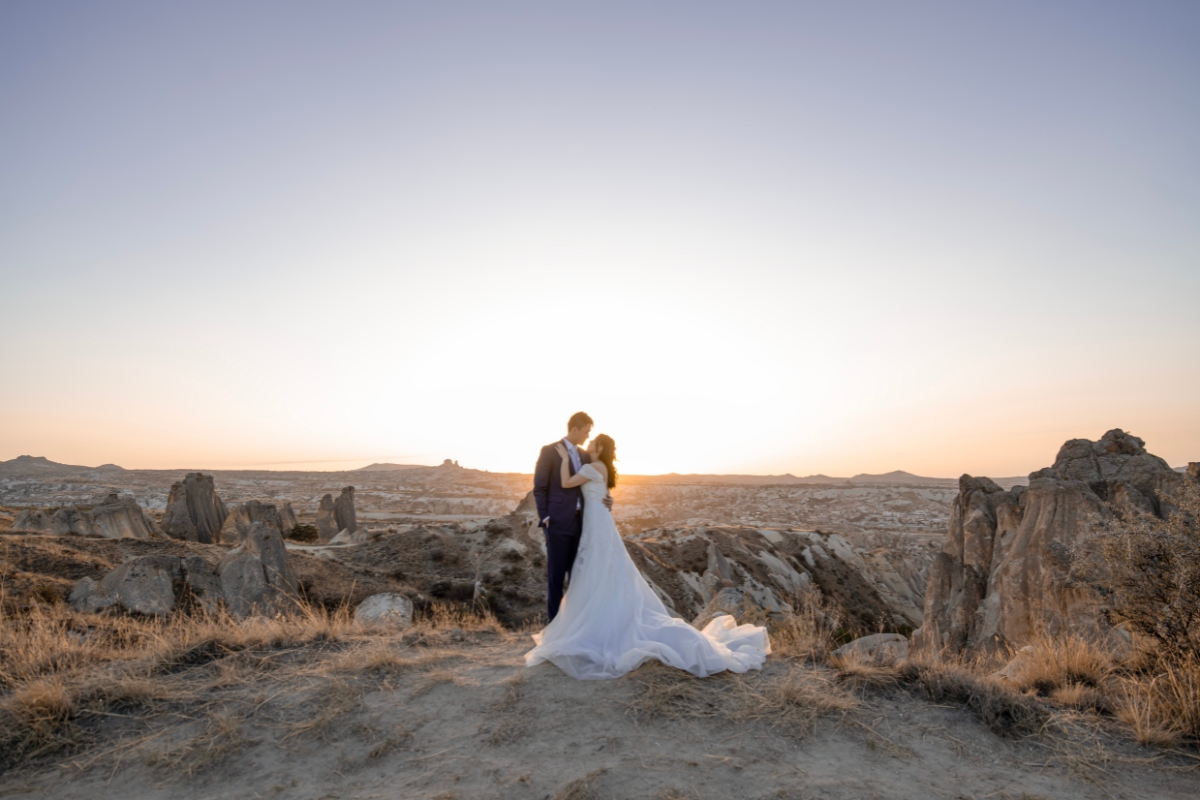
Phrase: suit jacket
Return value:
(552, 499)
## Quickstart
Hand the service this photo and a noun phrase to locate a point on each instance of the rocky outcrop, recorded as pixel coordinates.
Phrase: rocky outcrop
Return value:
(194, 511)
(690, 567)
(528, 505)
(327, 527)
(343, 511)
(1007, 564)
(115, 517)
(151, 585)
(122, 518)
(242, 518)
(256, 577)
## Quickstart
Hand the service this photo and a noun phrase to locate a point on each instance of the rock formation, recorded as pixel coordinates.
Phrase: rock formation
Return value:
(1006, 566)
(151, 585)
(194, 511)
(327, 527)
(287, 520)
(115, 517)
(343, 511)
(242, 518)
(122, 518)
(256, 577)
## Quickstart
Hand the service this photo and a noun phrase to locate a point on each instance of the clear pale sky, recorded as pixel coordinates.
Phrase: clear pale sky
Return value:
(745, 237)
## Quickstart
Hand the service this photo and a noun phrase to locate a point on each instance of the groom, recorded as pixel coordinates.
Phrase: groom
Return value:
(561, 510)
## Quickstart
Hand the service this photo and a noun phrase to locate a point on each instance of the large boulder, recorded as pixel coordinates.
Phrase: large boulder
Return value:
(256, 576)
(242, 518)
(194, 510)
(1007, 566)
(327, 526)
(343, 511)
(150, 585)
(387, 610)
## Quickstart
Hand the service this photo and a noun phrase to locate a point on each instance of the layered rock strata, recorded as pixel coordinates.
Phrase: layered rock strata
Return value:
(1008, 565)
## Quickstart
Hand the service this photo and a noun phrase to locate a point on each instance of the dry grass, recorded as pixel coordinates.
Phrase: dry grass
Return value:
(581, 788)
(794, 700)
(859, 671)
(61, 672)
(807, 633)
(1004, 711)
(1057, 663)
(1163, 707)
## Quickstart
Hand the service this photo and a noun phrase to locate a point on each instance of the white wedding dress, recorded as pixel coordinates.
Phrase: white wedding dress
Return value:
(611, 622)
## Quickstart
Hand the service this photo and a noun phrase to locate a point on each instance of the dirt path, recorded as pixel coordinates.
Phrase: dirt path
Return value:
(464, 720)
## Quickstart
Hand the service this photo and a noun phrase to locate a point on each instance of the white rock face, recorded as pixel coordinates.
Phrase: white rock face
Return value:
(388, 610)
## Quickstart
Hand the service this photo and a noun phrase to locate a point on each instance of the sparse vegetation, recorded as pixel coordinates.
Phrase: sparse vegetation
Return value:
(62, 672)
(1151, 575)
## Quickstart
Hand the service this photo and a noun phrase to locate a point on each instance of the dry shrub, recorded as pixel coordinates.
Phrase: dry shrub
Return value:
(1150, 577)
(1003, 710)
(1056, 663)
(859, 671)
(220, 735)
(1162, 708)
(806, 633)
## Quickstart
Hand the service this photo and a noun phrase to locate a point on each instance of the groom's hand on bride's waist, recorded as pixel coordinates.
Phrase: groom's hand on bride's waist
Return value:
(608, 502)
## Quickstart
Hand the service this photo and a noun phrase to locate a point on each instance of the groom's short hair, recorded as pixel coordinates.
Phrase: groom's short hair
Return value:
(578, 420)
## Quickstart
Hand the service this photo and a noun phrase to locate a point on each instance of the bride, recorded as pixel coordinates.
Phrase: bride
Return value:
(610, 621)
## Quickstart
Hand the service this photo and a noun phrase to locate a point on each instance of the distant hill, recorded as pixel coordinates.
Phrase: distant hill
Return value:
(385, 467)
(898, 476)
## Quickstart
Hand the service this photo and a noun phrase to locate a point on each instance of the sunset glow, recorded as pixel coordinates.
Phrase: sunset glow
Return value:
(793, 240)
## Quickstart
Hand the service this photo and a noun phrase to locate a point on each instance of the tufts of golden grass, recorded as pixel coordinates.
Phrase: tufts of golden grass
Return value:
(1057, 663)
(1005, 711)
(859, 671)
(807, 633)
(1162, 706)
(61, 671)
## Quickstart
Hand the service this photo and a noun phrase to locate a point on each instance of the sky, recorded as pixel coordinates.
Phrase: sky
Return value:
(746, 238)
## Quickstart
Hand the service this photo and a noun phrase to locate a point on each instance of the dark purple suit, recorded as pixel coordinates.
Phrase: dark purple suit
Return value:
(564, 507)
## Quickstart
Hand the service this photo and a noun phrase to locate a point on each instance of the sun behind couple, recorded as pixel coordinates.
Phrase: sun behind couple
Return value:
(610, 621)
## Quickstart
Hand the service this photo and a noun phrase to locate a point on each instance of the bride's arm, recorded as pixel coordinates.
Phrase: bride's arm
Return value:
(569, 481)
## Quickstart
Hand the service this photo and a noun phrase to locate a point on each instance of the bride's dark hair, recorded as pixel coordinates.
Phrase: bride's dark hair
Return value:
(608, 454)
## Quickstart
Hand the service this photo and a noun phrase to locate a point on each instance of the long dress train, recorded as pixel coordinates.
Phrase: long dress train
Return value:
(611, 622)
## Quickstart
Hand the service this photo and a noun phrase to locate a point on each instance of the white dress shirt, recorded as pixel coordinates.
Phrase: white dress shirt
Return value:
(576, 462)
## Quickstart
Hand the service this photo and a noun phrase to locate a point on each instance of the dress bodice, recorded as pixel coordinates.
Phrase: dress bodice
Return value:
(594, 489)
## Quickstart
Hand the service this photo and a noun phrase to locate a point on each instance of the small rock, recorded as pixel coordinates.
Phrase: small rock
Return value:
(881, 648)
(388, 610)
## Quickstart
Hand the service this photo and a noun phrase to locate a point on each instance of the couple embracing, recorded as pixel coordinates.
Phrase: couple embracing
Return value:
(608, 621)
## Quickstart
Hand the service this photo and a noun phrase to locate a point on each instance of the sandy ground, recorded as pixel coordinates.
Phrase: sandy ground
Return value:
(454, 719)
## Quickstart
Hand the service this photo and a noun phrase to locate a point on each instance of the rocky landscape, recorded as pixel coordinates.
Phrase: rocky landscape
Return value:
(405, 596)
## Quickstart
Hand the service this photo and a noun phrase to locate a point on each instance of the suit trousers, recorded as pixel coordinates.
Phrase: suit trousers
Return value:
(562, 543)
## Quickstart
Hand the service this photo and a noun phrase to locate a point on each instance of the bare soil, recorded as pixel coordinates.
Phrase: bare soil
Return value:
(450, 714)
